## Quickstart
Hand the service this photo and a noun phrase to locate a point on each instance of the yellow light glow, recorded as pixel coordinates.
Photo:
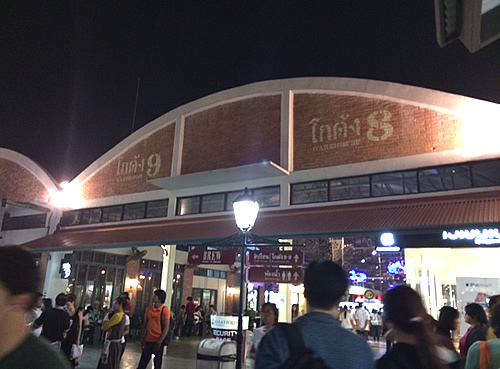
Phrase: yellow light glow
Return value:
(132, 283)
(481, 128)
(67, 197)
(231, 290)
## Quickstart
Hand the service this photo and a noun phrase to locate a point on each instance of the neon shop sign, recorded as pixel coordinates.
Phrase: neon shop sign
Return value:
(490, 236)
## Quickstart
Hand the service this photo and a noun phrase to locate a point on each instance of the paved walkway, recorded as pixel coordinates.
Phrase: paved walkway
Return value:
(181, 355)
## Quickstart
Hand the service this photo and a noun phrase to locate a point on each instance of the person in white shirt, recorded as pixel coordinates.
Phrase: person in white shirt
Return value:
(34, 313)
(269, 317)
(345, 318)
(362, 319)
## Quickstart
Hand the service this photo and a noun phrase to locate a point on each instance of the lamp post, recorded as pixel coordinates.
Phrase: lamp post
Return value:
(245, 213)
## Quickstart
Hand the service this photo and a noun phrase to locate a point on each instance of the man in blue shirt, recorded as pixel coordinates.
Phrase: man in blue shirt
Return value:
(325, 284)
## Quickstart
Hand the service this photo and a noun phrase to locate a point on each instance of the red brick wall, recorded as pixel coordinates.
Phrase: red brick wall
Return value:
(187, 287)
(333, 130)
(231, 281)
(19, 184)
(149, 159)
(132, 273)
(233, 134)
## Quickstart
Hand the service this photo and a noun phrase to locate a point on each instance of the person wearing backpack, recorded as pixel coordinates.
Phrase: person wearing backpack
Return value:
(316, 340)
(155, 330)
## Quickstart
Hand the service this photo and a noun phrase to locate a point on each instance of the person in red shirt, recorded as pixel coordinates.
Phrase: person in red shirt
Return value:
(189, 325)
(153, 333)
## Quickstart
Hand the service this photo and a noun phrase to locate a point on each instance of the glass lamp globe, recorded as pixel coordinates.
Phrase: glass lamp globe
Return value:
(246, 210)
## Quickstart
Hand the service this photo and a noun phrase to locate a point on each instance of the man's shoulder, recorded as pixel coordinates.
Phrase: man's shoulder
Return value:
(46, 356)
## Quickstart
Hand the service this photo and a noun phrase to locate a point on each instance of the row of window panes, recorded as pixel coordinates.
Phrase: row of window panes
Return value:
(23, 222)
(450, 177)
(140, 210)
(98, 257)
(212, 273)
(266, 197)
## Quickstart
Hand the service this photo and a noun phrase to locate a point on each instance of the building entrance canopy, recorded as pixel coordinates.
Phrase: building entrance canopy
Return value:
(416, 214)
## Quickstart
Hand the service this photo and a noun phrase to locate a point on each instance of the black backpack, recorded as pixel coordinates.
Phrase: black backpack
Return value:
(301, 357)
(171, 328)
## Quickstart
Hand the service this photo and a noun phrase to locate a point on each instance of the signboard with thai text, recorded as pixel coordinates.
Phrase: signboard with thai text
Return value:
(221, 257)
(275, 257)
(275, 275)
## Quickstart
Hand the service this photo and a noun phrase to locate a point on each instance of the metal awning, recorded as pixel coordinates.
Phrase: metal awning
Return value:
(266, 169)
(412, 215)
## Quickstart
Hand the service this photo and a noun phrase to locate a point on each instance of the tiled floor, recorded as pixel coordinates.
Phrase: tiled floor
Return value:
(181, 355)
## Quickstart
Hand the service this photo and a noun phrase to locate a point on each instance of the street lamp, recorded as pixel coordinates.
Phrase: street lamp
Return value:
(246, 210)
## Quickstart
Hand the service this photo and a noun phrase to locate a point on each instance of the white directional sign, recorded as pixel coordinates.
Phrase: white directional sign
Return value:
(276, 257)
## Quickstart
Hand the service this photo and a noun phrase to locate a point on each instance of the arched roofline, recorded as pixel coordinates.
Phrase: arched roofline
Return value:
(390, 91)
(31, 166)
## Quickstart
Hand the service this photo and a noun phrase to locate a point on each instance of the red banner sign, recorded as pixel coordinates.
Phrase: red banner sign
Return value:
(222, 257)
(275, 275)
(272, 257)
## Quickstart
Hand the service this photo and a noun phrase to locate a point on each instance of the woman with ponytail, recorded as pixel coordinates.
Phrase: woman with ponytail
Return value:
(412, 329)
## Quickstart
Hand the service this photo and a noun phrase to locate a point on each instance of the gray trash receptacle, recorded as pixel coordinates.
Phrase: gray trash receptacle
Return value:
(216, 354)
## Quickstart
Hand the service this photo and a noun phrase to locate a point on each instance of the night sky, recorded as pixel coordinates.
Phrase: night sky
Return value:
(69, 69)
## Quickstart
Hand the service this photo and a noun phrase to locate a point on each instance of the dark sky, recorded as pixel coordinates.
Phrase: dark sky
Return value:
(69, 69)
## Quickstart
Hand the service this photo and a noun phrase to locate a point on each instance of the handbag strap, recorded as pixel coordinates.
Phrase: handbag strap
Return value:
(484, 355)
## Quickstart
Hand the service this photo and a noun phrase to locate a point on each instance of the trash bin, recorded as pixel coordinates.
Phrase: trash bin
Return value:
(216, 354)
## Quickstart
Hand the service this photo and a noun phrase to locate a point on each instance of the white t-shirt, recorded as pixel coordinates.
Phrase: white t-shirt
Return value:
(258, 334)
(361, 316)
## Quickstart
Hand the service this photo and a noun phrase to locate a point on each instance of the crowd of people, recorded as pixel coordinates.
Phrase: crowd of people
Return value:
(337, 336)
(334, 336)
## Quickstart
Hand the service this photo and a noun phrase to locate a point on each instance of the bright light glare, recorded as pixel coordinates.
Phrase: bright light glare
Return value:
(245, 213)
(68, 197)
(481, 128)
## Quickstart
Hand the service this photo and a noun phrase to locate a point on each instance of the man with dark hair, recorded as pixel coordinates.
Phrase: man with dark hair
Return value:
(492, 301)
(189, 321)
(325, 284)
(154, 331)
(18, 347)
(54, 322)
(126, 317)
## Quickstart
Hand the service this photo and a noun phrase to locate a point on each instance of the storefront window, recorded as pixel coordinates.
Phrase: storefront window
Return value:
(157, 209)
(204, 297)
(396, 183)
(188, 205)
(444, 178)
(453, 276)
(112, 214)
(305, 193)
(486, 174)
(91, 216)
(134, 211)
(70, 218)
(212, 203)
(350, 188)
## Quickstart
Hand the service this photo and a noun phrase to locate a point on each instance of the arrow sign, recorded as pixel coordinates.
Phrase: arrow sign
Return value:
(275, 257)
(275, 275)
(220, 257)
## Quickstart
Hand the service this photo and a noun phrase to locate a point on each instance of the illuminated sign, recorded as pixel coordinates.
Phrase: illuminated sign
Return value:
(65, 269)
(387, 241)
(397, 267)
(485, 236)
(357, 277)
(388, 248)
